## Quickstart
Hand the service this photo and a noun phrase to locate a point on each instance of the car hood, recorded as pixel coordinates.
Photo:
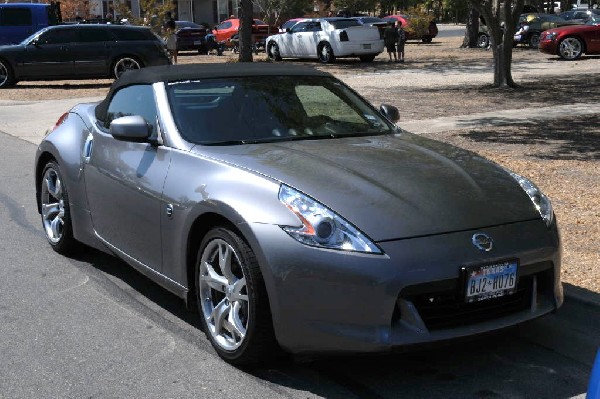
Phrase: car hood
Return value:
(393, 186)
(574, 28)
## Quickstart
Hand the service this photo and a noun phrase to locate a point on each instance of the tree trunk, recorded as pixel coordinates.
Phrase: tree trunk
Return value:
(472, 29)
(246, 20)
(502, 64)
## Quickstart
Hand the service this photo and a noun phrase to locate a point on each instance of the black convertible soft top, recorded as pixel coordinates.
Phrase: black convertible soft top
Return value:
(175, 73)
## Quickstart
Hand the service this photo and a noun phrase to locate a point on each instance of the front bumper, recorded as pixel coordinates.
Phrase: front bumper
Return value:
(332, 301)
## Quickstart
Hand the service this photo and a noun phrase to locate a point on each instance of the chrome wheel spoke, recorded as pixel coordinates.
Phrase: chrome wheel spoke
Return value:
(225, 254)
(234, 323)
(49, 211)
(56, 226)
(237, 288)
(213, 279)
(218, 316)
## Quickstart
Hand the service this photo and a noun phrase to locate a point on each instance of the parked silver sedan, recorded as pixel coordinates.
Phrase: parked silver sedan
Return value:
(293, 215)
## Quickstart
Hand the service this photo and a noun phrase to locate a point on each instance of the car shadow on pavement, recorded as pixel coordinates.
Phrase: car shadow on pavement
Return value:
(576, 138)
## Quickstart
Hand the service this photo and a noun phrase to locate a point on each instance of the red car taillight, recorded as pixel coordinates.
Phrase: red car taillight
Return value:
(59, 122)
(343, 36)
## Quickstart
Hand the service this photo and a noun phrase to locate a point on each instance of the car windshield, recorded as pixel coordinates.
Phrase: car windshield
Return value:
(267, 109)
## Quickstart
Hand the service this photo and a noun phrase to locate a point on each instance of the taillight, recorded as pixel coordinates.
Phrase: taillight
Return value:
(59, 122)
(343, 36)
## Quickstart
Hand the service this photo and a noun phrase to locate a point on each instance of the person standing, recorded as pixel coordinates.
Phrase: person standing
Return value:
(390, 37)
(401, 41)
(171, 40)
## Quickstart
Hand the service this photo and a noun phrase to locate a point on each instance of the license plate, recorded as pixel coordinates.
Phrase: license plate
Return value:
(366, 46)
(490, 281)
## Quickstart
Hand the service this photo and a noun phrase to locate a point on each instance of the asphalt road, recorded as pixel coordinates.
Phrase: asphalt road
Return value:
(91, 326)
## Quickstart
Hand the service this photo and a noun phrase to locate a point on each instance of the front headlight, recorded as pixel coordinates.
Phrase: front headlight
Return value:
(321, 227)
(539, 199)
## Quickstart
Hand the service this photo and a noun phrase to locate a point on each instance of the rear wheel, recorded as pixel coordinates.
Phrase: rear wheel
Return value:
(367, 58)
(6, 75)
(124, 64)
(273, 51)
(534, 40)
(483, 41)
(427, 39)
(570, 48)
(232, 299)
(325, 53)
(54, 205)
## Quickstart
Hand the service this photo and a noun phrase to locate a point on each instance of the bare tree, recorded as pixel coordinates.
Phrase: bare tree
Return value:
(501, 17)
(246, 20)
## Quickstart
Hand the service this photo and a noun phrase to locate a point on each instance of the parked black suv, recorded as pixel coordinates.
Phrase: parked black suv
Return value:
(81, 52)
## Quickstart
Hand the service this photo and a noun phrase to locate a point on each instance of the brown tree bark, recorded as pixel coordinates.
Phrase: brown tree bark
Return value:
(472, 29)
(246, 19)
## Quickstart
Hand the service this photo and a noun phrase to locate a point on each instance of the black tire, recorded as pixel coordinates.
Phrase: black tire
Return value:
(325, 53)
(7, 77)
(570, 48)
(367, 58)
(226, 273)
(55, 210)
(534, 40)
(273, 52)
(426, 39)
(124, 64)
(483, 41)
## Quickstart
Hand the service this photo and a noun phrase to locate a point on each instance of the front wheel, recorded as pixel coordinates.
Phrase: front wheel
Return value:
(6, 75)
(273, 52)
(325, 53)
(534, 40)
(54, 206)
(570, 48)
(232, 299)
(426, 39)
(124, 64)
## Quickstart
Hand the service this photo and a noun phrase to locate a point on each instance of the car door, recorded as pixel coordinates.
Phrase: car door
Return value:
(90, 52)
(592, 41)
(295, 40)
(124, 181)
(48, 55)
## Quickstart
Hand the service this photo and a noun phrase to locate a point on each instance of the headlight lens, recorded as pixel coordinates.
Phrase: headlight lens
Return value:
(539, 199)
(321, 227)
(551, 36)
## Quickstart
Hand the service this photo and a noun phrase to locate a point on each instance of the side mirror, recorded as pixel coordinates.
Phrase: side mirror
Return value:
(288, 30)
(130, 128)
(390, 112)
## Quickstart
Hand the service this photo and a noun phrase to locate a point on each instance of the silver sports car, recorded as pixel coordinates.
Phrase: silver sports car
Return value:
(293, 215)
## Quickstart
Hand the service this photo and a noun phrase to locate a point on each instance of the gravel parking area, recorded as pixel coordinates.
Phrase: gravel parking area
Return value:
(562, 157)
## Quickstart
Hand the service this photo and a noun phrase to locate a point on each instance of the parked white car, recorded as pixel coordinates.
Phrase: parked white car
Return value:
(326, 39)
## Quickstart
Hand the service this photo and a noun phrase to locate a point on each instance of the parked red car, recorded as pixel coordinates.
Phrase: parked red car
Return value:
(425, 36)
(569, 42)
(230, 27)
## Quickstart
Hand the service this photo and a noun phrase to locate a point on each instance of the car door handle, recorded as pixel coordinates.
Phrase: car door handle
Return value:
(87, 148)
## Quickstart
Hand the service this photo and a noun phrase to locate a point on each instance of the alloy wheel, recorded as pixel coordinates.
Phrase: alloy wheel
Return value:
(223, 294)
(53, 205)
(570, 48)
(125, 64)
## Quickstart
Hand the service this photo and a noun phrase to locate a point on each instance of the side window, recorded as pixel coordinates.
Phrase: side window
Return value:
(300, 27)
(225, 25)
(133, 100)
(89, 35)
(15, 17)
(57, 36)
